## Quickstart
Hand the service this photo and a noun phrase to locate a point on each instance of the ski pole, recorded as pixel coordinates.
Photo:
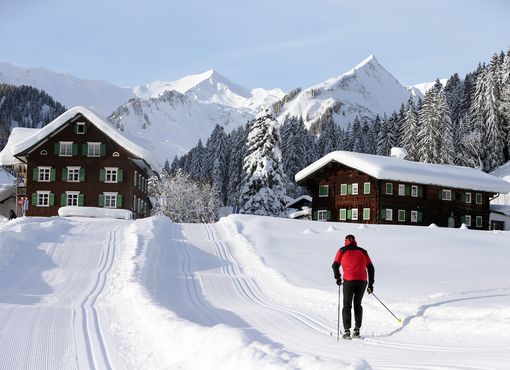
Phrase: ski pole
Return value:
(399, 320)
(338, 318)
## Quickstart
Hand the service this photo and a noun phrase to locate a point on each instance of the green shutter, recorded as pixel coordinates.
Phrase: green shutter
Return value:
(328, 215)
(462, 219)
(56, 148)
(35, 174)
(102, 174)
(101, 200)
(103, 149)
(82, 174)
(349, 214)
(34, 199)
(383, 214)
(80, 200)
(440, 195)
(314, 215)
(75, 128)
(53, 174)
(63, 199)
(85, 149)
(349, 188)
(463, 197)
(120, 175)
(420, 192)
(64, 174)
(119, 201)
(136, 179)
(85, 128)
(408, 190)
(52, 199)
(420, 216)
(453, 195)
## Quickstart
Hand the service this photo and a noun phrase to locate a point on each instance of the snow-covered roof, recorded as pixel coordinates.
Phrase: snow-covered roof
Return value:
(503, 172)
(390, 168)
(120, 138)
(500, 208)
(302, 197)
(18, 134)
(7, 184)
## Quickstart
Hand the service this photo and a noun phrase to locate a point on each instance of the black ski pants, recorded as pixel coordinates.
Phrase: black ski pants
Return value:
(353, 293)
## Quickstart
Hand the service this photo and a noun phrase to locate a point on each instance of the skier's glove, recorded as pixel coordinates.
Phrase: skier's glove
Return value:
(370, 289)
(339, 281)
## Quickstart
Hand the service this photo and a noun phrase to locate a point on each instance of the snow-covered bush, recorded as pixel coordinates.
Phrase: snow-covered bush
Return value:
(184, 199)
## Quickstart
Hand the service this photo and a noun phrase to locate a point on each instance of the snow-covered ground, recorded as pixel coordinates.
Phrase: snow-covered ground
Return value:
(247, 292)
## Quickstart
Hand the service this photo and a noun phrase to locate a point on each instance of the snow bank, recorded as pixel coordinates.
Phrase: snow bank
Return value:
(70, 211)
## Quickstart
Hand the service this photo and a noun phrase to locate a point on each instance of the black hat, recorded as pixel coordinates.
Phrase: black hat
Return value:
(350, 237)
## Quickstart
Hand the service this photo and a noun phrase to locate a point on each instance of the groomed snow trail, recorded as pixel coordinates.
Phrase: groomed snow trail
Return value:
(300, 324)
(48, 295)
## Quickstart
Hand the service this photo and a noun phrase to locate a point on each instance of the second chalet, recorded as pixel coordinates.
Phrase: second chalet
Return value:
(364, 188)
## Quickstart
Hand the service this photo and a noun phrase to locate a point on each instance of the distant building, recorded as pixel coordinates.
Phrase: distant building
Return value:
(79, 160)
(363, 188)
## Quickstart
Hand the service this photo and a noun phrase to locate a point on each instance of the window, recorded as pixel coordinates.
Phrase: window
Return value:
(468, 197)
(110, 174)
(322, 215)
(414, 191)
(323, 190)
(44, 174)
(354, 214)
(43, 198)
(73, 174)
(366, 214)
(94, 150)
(389, 188)
(467, 220)
(355, 188)
(414, 216)
(66, 149)
(115, 154)
(80, 127)
(343, 214)
(43, 152)
(401, 215)
(401, 190)
(479, 221)
(72, 198)
(110, 200)
(446, 194)
(478, 199)
(366, 188)
(389, 214)
(343, 189)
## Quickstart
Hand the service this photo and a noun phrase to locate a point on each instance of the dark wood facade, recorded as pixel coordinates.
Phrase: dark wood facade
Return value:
(107, 175)
(341, 193)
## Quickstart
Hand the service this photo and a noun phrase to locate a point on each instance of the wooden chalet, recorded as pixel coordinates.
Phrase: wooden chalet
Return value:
(80, 160)
(363, 188)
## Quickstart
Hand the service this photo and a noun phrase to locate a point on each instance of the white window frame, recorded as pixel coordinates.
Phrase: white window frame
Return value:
(446, 194)
(389, 214)
(113, 173)
(366, 214)
(386, 188)
(344, 218)
(41, 196)
(107, 195)
(355, 188)
(75, 170)
(320, 186)
(73, 194)
(80, 128)
(467, 220)
(366, 186)
(91, 149)
(400, 211)
(354, 214)
(414, 216)
(478, 195)
(47, 170)
(469, 198)
(343, 189)
(479, 221)
(414, 191)
(67, 145)
(322, 215)
(401, 190)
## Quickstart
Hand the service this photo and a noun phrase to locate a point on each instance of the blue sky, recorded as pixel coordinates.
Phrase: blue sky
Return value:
(263, 43)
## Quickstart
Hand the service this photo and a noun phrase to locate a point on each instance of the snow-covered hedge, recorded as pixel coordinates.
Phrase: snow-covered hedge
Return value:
(96, 212)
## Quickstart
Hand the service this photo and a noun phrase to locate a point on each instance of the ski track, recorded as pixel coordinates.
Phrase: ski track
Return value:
(63, 328)
(290, 326)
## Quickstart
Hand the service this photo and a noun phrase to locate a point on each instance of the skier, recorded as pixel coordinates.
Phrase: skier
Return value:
(355, 263)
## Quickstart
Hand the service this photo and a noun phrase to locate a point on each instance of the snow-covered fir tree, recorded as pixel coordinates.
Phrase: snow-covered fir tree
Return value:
(410, 131)
(327, 140)
(216, 160)
(236, 156)
(294, 152)
(263, 189)
(386, 137)
(429, 136)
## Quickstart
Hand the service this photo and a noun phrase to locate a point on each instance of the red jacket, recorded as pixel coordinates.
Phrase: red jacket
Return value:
(355, 263)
